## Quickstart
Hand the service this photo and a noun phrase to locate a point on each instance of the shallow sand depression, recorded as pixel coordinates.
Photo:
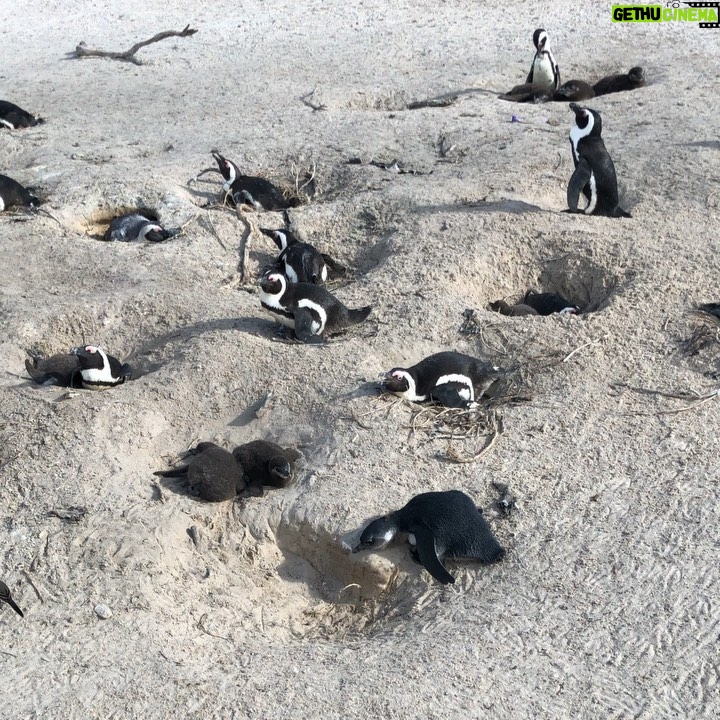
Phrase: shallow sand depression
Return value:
(606, 604)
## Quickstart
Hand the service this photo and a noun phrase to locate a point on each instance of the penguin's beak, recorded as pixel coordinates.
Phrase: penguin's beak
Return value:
(575, 107)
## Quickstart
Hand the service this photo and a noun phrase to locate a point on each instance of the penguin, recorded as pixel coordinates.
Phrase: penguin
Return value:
(544, 71)
(309, 309)
(529, 93)
(549, 303)
(632, 80)
(257, 192)
(14, 117)
(5, 596)
(12, 193)
(594, 174)
(61, 369)
(300, 261)
(132, 227)
(573, 90)
(213, 473)
(265, 463)
(711, 309)
(98, 370)
(450, 378)
(519, 310)
(439, 525)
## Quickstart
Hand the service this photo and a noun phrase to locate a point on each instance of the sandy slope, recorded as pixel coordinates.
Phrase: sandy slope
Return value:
(607, 602)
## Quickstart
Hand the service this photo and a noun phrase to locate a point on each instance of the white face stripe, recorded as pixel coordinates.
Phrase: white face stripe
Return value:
(232, 173)
(316, 327)
(410, 393)
(282, 237)
(323, 274)
(411, 539)
(104, 374)
(148, 228)
(462, 379)
(577, 133)
(273, 299)
(290, 272)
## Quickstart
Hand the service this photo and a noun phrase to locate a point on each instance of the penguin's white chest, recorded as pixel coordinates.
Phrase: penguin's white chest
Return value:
(544, 72)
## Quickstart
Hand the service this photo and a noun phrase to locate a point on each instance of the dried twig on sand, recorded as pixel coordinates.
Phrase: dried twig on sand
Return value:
(307, 100)
(82, 50)
(697, 400)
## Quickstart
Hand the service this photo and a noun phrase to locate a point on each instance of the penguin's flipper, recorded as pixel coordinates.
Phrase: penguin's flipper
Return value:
(580, 178)
(425, 543)
(173, 472)
(303, 327)
(333, 265)
(448, 394)
(7, 597)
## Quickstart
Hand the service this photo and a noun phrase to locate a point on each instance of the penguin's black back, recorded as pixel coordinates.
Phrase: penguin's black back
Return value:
(546, 303)
(13, 193)
(254, 458)
(457, 525)
(339, 317)
(593, 150)
(427, 372)
(215, 473)
(16, 116)
(307, 262)
(263, 192)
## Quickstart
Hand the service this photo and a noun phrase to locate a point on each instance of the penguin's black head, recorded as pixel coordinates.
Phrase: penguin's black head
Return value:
(281, 238)
(91, 357)
(281, 471)
(99, 368)
(273, 283)
(396, 380)
(228, 169)
(540, 38)
(588, 121)
(637, 74)
(155, 233)
(377, 534)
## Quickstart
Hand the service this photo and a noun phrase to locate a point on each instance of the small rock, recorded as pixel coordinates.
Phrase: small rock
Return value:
(103, 611)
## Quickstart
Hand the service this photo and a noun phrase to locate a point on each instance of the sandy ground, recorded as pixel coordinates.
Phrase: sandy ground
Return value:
(606, 605)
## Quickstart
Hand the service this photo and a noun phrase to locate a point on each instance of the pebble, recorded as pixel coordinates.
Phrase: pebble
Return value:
(103, 611)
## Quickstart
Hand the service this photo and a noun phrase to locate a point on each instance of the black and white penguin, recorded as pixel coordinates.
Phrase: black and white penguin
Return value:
(450, 378)
(250, 190)
(61, 369)
(300, 261)
(594, 174)
(549, 303)
(133, 227)
(573, 90)
(309, 309)
(544, 71)
(5, 596)
(266, 463)
(14, 117)
(712, 308)
(438, 525)
(13, 194)
(621, 82)
(98, 370)
(213, 473)
(519, 310)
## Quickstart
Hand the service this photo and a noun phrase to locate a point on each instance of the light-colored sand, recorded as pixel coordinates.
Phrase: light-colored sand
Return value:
(607, 603)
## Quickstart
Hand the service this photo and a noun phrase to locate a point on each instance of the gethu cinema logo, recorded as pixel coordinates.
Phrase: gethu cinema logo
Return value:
(700, 12)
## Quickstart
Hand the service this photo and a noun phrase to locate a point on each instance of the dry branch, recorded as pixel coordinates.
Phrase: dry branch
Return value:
(82, 50)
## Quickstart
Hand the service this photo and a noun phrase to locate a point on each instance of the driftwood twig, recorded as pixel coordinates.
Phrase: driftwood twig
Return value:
(82, 50)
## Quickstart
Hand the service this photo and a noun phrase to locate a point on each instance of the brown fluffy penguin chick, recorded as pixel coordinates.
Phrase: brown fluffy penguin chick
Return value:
(518, 310)
(266, 463)
(213, 473)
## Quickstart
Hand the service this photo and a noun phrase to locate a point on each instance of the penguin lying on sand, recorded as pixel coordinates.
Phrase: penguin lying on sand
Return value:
(573, 90)
(594, 174)
(133, 227)
(88, 367)
(310, 310)
(711, 309)
(450, 378)
(544, 76)
(215, 474)
(249, 190)
(438, 525)
(13, 194)
(5, 596)
(549, 303)
(620, 83)
(519, 310)
(14, 117)
(266, 463)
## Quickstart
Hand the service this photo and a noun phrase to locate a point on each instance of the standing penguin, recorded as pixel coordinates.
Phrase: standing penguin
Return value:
(249, 190)
(133, 227)
(439, 525)
(266, 463)
(300, 261)
(98, 370)
(213, 473)
(450, 378)
(544, 71)
(594, 174)
(12, 193)
(14, 117)
(310, 310)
